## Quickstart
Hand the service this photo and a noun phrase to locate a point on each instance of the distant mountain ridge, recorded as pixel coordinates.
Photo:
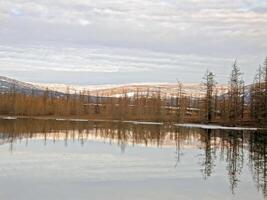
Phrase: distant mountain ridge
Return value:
(8, 84)
(13, 85)
(165, 89)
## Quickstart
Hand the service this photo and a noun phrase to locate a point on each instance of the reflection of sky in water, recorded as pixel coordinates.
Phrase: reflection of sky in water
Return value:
(99, 170)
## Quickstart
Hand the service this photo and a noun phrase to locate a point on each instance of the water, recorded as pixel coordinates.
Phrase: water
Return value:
(47, 159)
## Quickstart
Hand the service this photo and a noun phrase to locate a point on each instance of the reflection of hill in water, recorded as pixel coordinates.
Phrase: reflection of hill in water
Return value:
(233, 147)
(121, 133)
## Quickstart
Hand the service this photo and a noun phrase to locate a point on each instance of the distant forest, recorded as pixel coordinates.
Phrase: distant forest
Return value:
(242, 104)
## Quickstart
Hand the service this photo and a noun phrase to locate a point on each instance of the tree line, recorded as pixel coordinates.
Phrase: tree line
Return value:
(241, 105)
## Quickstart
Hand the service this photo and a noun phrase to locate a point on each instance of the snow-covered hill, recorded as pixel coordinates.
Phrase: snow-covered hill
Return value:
(8, 84)
(165, 89)
(11, 85)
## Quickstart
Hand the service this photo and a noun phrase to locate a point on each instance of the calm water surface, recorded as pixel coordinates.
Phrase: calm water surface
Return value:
(46, 159)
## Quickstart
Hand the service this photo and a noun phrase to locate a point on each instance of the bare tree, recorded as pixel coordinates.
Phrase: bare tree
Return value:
(209, 84)
(236, 85)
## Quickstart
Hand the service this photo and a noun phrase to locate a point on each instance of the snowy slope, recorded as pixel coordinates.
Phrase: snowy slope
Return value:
(8, 84)
(165, 89)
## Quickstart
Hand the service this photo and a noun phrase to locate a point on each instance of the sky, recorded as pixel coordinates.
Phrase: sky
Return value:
(129, 41)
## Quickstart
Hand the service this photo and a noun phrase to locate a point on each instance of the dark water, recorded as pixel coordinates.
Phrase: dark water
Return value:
(48, 159)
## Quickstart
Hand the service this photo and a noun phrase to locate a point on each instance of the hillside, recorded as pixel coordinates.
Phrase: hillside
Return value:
(165, 89)
(10, 85)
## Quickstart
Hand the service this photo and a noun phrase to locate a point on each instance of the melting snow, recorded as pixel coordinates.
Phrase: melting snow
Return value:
(205, 126)
(140, 122)
(9, 118)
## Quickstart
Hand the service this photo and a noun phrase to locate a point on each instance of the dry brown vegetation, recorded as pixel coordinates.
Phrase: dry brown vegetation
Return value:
(241, 105)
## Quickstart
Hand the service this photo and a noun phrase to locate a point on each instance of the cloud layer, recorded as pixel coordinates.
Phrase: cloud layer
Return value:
(124, 36)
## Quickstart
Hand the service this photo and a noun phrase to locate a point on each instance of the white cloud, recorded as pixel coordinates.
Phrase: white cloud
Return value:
(97, 59)
(114, 60)
(151, 14)
(83, 22)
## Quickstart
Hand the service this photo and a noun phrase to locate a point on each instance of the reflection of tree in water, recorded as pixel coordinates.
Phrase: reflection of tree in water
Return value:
(121, 133)
(234, 157)
(177, 138)
(209, 153)
(232, 145)
(258, 160)
(228, 146)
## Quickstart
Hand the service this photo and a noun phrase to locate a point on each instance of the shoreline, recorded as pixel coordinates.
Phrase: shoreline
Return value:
(212, 126)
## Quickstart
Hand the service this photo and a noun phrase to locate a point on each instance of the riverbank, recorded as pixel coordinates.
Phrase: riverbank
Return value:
(213, 125)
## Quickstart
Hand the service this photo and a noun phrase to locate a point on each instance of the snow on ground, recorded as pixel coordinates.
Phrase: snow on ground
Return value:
(144, 123)
(205, 126)
(202, 126)
(73, 88)
(79, 120)
(8, 118)
(165, 89)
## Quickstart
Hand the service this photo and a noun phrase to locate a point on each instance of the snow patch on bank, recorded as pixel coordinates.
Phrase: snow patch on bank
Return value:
(73, 120)
(79, 120)
(216, 127)
(8, 118)
(145, 123)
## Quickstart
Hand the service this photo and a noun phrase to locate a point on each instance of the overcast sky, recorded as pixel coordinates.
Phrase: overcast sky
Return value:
(123, 41)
